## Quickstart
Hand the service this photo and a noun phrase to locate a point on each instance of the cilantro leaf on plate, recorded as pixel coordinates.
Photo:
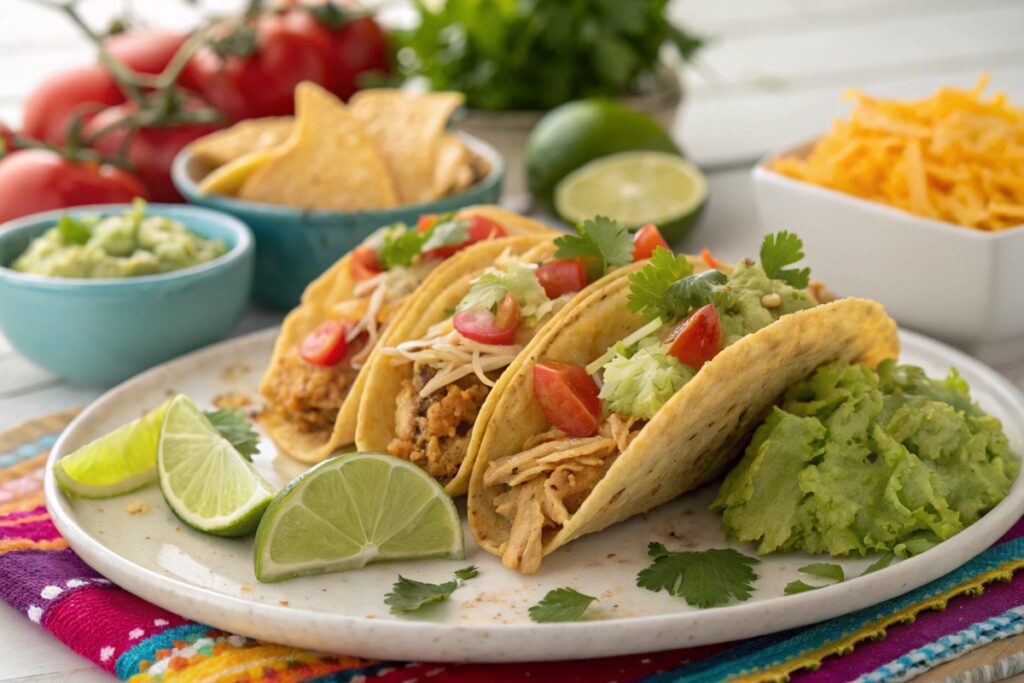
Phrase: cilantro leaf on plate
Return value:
(648, 286)
(824, 570)
(73, 231)
(234, 426)
(400, 248)
(602, 243)
(794, 587)
(561, 604)
(409, 595)
(704, 579)
(883, 561)
(782, 249)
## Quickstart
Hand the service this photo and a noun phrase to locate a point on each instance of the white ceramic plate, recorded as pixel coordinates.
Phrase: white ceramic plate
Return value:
(211, 580)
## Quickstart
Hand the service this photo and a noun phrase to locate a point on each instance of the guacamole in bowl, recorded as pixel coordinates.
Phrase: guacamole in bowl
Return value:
(127, 244)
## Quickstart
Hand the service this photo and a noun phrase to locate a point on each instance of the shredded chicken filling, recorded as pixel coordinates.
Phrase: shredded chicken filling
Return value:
(433, 431)
(547, 482)
(309, 396)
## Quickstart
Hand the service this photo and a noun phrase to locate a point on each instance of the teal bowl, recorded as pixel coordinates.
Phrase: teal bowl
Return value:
(102, 331)
(294, 246)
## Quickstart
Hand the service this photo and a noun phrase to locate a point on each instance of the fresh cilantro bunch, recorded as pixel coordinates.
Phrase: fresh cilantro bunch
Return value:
(561, 604)
(537, 54)
(402, 244)
(601, 243)
(704, 579)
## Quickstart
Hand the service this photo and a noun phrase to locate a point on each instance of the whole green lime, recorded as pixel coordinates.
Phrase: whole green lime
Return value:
(577, 132)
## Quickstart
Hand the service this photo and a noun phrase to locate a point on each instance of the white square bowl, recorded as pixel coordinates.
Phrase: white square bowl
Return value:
(959, 284)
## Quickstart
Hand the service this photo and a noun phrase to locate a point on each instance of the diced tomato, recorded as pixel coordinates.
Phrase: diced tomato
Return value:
(482, 326)
(568, 396)
(479, 229)
(562, 276)
(426, 222)
(709, 260)
(646, 240)
(697, 339)
(325, 345)
(364, 263)
(509, 313)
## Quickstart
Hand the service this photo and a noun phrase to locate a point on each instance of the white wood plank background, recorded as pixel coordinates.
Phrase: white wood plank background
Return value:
(772, 74)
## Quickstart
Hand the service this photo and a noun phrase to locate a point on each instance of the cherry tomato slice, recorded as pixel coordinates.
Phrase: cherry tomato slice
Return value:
(479, 229)
(482, 326)
(325, 345)
(364, 263)
(646, 240)
(697, 339)
(562, 276)
(568, 396)
(709, 260)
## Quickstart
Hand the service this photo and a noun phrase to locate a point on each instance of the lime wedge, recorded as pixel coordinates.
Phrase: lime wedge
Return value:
(635, 188)
(117, 463)
(205, 481)
(352, 510)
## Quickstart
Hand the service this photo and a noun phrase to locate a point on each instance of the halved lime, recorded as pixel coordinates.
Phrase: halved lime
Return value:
(117, 463)
(635, 188)
(352, 510)
(205, 481)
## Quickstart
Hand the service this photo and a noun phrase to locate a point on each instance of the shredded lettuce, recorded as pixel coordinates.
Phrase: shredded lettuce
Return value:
(490, 288)
(641, 378)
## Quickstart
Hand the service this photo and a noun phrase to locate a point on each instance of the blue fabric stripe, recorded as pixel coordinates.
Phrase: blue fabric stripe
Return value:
(1009, 623)
(348, 674)
(128, 663)
(768, 651)
(28, 450)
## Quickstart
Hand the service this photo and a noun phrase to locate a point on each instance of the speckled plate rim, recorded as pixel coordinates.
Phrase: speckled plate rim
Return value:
(424, 640)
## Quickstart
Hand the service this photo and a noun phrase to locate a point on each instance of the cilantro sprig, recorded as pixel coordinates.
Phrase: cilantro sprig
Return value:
(401, 247)
(409, 595)
(234, 426)
(823, 570)
(704, 579)
(73, 231)
(601, 243)
(649, 287)
(561, 604)
(782, 249)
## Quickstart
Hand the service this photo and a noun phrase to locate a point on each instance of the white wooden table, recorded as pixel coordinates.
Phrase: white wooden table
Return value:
(773, 75)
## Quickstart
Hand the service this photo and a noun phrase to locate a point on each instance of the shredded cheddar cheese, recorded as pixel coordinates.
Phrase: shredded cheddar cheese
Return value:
(955, 156)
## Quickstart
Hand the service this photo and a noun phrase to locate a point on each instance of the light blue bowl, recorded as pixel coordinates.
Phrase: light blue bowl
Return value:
(294, 246)
(101, 331)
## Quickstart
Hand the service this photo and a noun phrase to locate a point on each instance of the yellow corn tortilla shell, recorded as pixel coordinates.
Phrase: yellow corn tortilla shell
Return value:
(696, 435)
(245, 137)
(230, 177)
(333, 287)
(329, 162)
(408, 129)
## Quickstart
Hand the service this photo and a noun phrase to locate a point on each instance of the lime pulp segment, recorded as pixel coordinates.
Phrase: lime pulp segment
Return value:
(205, 481)
(352, 510)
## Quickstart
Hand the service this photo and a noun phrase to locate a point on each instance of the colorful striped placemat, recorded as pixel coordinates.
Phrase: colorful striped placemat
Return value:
(42, 578)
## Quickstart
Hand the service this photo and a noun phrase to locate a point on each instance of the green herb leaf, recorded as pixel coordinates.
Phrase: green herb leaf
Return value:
(73, 231)
(704, 579)
(782, 249)
(690, 293)
(883, 561)
(649, 286)
(467, 572)
(409, 595)
(561, 604)
(400, 248)
(794, 587)
(234, 426)
(825, 570)
(602, 243)
(446, 232)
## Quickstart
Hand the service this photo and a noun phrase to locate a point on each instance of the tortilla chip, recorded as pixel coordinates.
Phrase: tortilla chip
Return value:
(408, 130)
(328, 163)
(230, 177)
(224, 146)
(452, 165)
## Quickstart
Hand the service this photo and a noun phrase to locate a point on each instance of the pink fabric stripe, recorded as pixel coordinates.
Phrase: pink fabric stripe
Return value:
(23, 513)
(41, 530)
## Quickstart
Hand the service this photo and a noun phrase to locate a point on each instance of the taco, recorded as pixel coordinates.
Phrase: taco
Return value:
(313, 383)
(648, 388)
(424, 394)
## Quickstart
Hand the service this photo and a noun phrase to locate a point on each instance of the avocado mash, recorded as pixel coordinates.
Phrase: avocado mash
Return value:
(858, 460)
(742, 301)
(128, 245)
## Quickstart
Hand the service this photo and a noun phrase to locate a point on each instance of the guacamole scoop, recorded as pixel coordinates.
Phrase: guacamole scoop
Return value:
(856, 460)
(116, 246)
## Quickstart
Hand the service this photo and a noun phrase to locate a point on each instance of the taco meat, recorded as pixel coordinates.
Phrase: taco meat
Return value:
(433, 431)
(310, 396)
(549, 480)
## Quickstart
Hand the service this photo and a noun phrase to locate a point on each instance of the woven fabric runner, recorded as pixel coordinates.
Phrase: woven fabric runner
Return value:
(43, 579)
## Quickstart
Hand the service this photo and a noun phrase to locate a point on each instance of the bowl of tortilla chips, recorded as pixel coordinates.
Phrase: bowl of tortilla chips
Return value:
(312, 187)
